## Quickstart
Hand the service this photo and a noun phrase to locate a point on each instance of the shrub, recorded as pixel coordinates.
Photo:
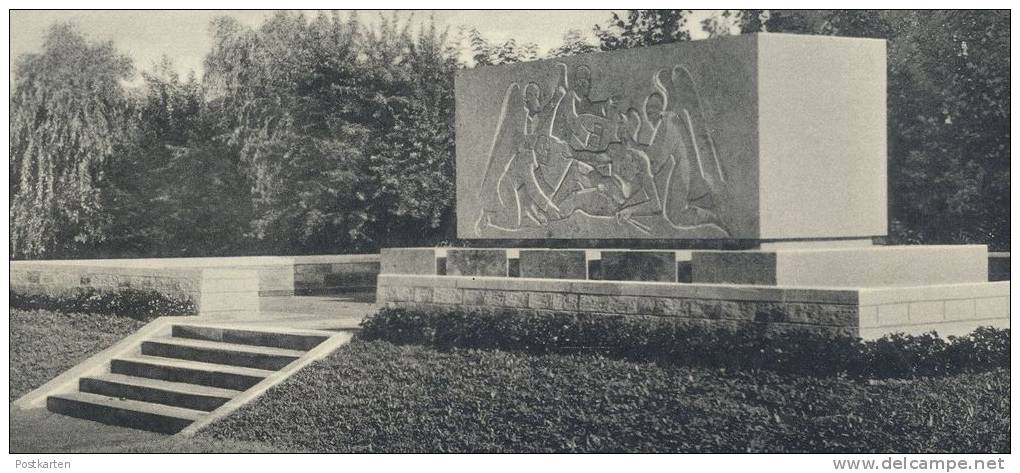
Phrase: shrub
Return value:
(679, 341)
(134, 303)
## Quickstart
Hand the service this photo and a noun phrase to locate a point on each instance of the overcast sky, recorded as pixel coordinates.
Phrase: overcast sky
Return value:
(184, 35)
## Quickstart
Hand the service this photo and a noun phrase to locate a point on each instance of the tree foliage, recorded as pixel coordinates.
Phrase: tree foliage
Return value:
(644, 28)
(485, 53)
(573, 43)
(344, 131)
(67, 117)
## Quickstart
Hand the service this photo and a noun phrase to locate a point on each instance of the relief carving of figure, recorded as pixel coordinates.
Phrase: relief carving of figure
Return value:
(561, 155)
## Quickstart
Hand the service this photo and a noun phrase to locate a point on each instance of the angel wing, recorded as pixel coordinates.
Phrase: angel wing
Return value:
(509, 134)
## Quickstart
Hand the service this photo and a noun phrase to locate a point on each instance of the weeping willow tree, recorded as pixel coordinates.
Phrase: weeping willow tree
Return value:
(67, 109)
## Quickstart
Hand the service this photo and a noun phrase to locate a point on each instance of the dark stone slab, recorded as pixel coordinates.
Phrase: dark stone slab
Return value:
(659, 266)
(408, 261)
(553, 264)
(472, 262)
(998, 266)
(684, 272)
(734, 267)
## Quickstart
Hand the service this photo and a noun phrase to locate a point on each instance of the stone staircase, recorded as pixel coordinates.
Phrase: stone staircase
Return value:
(186, 376)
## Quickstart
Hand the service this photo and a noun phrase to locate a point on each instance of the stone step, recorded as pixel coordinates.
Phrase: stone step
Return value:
(189, 396)
(192, 372)
(123, 412)
(291, 339)
(267, 358)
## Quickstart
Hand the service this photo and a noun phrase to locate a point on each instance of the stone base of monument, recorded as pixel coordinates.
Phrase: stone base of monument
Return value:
(861, 290)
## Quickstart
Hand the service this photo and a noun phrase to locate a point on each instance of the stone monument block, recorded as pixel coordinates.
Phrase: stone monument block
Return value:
(759, 137)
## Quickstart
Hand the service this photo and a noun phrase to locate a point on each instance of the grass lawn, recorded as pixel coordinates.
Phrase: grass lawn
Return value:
(45, 344)
(380, 397)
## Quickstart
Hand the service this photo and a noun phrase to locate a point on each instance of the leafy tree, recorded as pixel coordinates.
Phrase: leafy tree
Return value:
(574, 42)
(644, 28)
(346, 131)
(414, 160)
(720, 24)
(174, 189)
(484, 53)
(67, 114)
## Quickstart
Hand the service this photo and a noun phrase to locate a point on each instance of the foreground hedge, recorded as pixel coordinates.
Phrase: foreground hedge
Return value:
(134, 303)
(676, 342)
(381, 397)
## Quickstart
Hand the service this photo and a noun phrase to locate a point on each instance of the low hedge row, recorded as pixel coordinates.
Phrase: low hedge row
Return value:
(675, 341)
(134, 303)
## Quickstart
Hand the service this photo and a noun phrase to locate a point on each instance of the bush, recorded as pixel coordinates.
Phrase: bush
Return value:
(379, 397)
(677, 341)
(134, 303)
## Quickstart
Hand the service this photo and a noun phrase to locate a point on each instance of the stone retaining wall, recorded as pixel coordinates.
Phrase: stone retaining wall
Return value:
(869, 313)
(720, 306)
(217, 292)
(220, 286)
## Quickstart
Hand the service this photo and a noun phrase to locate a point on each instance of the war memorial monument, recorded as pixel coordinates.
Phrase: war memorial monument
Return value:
(756, 164)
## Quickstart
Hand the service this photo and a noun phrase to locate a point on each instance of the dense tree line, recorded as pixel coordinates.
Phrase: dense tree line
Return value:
(324, 135)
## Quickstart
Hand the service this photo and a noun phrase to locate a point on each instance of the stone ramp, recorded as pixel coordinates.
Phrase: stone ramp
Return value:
(173, 376)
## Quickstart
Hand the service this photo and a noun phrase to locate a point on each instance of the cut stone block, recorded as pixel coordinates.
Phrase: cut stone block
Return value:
(472, 262)
(873, 266)
(408, 261)
(752, 137)
(553, 264)
(637, 266)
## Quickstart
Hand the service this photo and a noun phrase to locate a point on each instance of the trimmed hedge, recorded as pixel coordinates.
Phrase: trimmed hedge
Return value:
(676, 341)
(380, 397)
(134, 303)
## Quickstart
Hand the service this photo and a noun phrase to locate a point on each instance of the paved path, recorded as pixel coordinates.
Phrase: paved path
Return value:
(41, 431)
(330, 312)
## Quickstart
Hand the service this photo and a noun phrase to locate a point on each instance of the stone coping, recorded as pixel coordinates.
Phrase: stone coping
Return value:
(862, 296)
(654, 289)
(193, 263)
(889, 295)
(854, 249)
(336, 259)
(212, 262)
(590, 253)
